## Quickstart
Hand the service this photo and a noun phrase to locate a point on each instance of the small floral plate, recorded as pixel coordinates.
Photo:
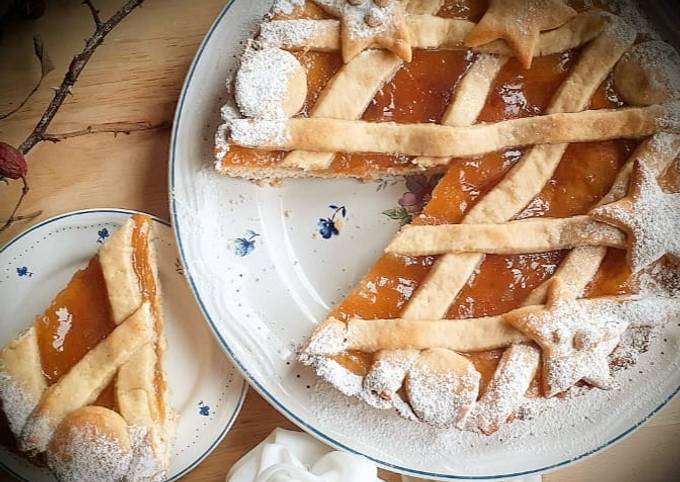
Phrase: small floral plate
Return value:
(205, 389)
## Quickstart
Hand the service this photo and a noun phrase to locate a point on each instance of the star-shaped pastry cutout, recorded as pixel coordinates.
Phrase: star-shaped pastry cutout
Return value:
(519, 23)
(576, 337)
(649, 216)
(366, 23)
(590, 365)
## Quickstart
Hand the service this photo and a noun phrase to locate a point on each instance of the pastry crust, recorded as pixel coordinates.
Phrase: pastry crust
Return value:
(336, 135)
(529, 18)
(91, 443)
(470, 335)
(525, 180)
(508, 386)
(428, 31)
(648, 74)
(363, 25)
(85, 381)
(21, 379)
(119, 273)
(442, 387)
(533, 235)
(649, 216)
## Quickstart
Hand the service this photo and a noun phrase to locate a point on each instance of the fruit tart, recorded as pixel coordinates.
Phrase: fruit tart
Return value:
(553, 229)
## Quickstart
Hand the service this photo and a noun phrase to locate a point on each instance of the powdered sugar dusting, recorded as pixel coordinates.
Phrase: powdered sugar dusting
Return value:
(354, 16)
(17, 402)
(145, 464)
(652, 217)
(262, 82)
(506, 390)
(442, 398)
(287, 33)
(287, 6)
(566, 421)
(90, 455)
(387, 374)
(340, 377)
(328, 339)
(258, 133)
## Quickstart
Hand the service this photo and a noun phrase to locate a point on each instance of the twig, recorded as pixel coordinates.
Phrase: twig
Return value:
(23, 102)
(13, 217)
(46, 67)
(74, 70)
(94, 12)
(78, 63)
(114, 128)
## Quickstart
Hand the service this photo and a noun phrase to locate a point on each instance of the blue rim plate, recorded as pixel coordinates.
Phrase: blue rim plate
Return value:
(243, 206)
(40, 260)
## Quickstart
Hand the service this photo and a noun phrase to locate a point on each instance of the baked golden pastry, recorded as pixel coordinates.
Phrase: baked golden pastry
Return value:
(89, 372)
(556, 132)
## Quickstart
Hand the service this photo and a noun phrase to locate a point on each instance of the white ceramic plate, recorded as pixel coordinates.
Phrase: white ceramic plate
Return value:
(205, 389)
(264, 275)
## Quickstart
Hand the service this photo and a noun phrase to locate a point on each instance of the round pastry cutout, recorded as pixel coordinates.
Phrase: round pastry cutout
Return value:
(91, 443)
(270, 84)
(649, 73)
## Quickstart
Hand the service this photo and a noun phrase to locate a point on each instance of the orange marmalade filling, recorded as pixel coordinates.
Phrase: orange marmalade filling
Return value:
(75, 322)
(79, 317)
(147, 280)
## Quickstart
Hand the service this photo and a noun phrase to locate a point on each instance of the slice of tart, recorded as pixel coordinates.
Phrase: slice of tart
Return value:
(87, 377)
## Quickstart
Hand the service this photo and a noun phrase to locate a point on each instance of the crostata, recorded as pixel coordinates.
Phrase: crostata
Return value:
(83, 389)
(554, 227)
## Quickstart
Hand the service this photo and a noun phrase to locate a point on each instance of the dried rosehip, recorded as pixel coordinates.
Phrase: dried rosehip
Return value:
(12, 162)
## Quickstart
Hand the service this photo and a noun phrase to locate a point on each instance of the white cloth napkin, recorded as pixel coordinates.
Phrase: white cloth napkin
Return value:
(286, 456)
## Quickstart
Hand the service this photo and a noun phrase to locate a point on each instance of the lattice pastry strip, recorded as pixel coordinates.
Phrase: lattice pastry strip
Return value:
(336, 135)
(428, 31)
(646, 216)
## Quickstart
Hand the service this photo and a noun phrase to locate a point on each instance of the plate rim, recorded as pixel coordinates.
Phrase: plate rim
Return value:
(244, 384)
(253, 382)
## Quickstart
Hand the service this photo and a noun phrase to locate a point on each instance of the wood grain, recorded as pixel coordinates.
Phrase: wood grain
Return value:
(136, 76)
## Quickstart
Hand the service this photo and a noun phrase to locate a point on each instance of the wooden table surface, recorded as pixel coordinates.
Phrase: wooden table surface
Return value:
(136, 76)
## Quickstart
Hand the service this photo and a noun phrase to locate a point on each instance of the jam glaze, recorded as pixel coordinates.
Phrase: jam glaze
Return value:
(79, 317)
(148, 285)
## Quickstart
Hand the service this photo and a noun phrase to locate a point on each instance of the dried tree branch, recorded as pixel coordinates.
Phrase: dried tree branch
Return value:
(78, 63)
(94, 12)
(23, 102)
(13, 217)
(114, 128)
(46, 67)
(75, 68)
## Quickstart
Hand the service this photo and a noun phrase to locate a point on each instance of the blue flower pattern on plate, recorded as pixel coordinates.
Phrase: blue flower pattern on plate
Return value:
(245, 245)
(327, 226)
(203, 409)
(103, 233)
(23, 272)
